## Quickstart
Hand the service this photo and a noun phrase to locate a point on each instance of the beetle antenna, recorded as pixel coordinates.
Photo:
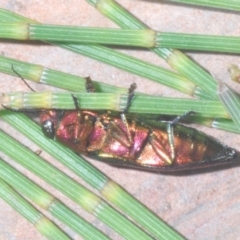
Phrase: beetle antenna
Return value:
(18, 74)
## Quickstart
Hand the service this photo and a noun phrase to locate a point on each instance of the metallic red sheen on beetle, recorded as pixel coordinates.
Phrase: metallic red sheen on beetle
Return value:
(134, 143)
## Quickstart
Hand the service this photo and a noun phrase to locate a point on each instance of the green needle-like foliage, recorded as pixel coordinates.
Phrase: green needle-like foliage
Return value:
(231, 102)
(49, 202)
(41, 223)
(73, 34)
(218, 123)
(125, 37)
(211, 43)
(174, 58)
(128, 63)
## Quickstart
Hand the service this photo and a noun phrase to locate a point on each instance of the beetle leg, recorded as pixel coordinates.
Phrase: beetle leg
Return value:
(170, 131)
(123, 116)
(133, 86)
(171, 139)
(181, 117)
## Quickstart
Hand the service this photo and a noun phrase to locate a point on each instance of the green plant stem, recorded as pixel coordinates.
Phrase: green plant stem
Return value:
(74, 34)
(92, 176)
(120, 37)
(70, 188)
(48, 202)
(43, 75)
(209, 43)
(64, 100)
(174, 58)
(223, 4)
(225, 125)
(110, 101)
(40, 222)
(231, 102)
(128, 63)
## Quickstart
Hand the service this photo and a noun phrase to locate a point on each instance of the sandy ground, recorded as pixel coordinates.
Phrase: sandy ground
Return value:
(201, 205)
